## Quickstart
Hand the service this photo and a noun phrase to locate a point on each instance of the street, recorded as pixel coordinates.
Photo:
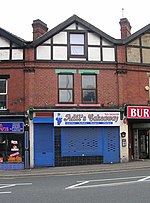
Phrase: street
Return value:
(106, 187)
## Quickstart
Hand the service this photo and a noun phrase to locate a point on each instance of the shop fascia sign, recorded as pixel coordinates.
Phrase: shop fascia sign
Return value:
(138, 112)
(11, 127)
(87, 119)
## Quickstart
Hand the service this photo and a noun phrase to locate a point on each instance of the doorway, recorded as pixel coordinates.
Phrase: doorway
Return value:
(141, 144)
(43, 144)
(143, 139)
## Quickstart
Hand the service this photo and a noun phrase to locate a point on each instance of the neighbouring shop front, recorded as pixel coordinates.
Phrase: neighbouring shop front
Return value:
(139, 131)
(75, 138)
(12, 144)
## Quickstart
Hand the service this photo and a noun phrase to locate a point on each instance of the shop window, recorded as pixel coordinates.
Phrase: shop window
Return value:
(3, 94)
(89, 89)
(77, 44)
(65, 88)
(11, 148)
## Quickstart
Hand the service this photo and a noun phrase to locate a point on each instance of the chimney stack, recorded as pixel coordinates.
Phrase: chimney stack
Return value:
(39, 28)
(125, 28)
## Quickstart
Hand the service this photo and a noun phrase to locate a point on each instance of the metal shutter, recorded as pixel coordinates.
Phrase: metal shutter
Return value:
(111, 145)
(81, 141)
(43, 145)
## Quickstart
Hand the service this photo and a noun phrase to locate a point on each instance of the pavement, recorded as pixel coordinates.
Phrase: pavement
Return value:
(74, 170)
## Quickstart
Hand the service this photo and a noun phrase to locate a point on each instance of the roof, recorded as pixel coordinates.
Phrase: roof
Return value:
(12, 37)
(140, 32)
(94, 29)
(67, 23)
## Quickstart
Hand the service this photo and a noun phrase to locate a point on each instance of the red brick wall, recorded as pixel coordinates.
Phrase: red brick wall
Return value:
(133, 87)
(35, 83)
(44, 91)
(15, 85)
(121, 56)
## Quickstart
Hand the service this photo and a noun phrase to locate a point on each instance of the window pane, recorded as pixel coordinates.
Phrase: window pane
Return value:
(65, 96)
(89, 96)
(2, 101)
(2, 86)
(2, 147)
(65, 81)
(88, 81)
(11, 144)
(77, 50)
(76, 38)
(15, 145)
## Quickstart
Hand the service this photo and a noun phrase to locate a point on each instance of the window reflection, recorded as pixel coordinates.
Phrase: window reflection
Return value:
(65, 88)
(77, 44)
(89, 89)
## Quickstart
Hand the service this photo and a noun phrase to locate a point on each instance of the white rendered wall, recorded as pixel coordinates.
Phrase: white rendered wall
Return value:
(31, 144)
(124, 151)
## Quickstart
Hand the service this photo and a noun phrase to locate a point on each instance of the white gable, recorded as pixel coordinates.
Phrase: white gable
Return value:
(4, 42)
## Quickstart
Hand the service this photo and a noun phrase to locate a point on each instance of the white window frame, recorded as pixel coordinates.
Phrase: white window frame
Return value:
(4, 93)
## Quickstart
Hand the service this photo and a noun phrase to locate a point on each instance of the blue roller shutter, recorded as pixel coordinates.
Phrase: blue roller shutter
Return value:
(43, 144)
(111, 145)
(81, 141)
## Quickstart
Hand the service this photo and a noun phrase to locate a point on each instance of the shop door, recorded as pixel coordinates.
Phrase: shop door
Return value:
(143, 139)
(43, 145)
(111, 145)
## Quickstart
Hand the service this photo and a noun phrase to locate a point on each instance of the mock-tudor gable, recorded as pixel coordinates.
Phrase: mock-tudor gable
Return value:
(138, 46)
(75, 40)
(11, 47)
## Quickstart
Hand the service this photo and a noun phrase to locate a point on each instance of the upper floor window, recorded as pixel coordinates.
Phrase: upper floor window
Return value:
(65, 88)
(3, 94)
(138, 50)
(77, 44)
(89, 89)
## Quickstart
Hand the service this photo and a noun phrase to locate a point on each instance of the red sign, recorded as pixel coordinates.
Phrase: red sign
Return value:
(141, 112)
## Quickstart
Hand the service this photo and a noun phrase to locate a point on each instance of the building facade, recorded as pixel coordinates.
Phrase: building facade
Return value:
(13, 131)
(68, 92)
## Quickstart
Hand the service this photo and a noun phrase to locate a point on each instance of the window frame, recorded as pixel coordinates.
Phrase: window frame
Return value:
(4, 93)
(83, 89)
(7, 147)
(70, 88)
(84, 45)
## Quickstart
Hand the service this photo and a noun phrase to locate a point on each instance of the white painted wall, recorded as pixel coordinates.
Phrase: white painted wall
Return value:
(31, 136)
(124, 151)
(60, 38)
(43, 52)
(94, 54)
(17, 54)
(59, 53)
(93, 39)
(60, 49)
(108, 54)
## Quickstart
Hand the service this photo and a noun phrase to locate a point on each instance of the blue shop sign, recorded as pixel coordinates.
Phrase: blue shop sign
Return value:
(14, 127)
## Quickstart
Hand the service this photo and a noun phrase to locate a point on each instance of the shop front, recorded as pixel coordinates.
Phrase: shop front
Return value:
(12, 150)
(139, 131)
(75, 138)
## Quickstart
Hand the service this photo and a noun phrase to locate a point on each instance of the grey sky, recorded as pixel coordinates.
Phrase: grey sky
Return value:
(16, 16)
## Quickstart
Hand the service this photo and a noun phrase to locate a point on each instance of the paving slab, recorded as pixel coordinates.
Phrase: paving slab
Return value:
(70, 170)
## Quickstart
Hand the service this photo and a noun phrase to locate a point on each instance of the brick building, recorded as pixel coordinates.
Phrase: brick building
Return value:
(71, 95)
